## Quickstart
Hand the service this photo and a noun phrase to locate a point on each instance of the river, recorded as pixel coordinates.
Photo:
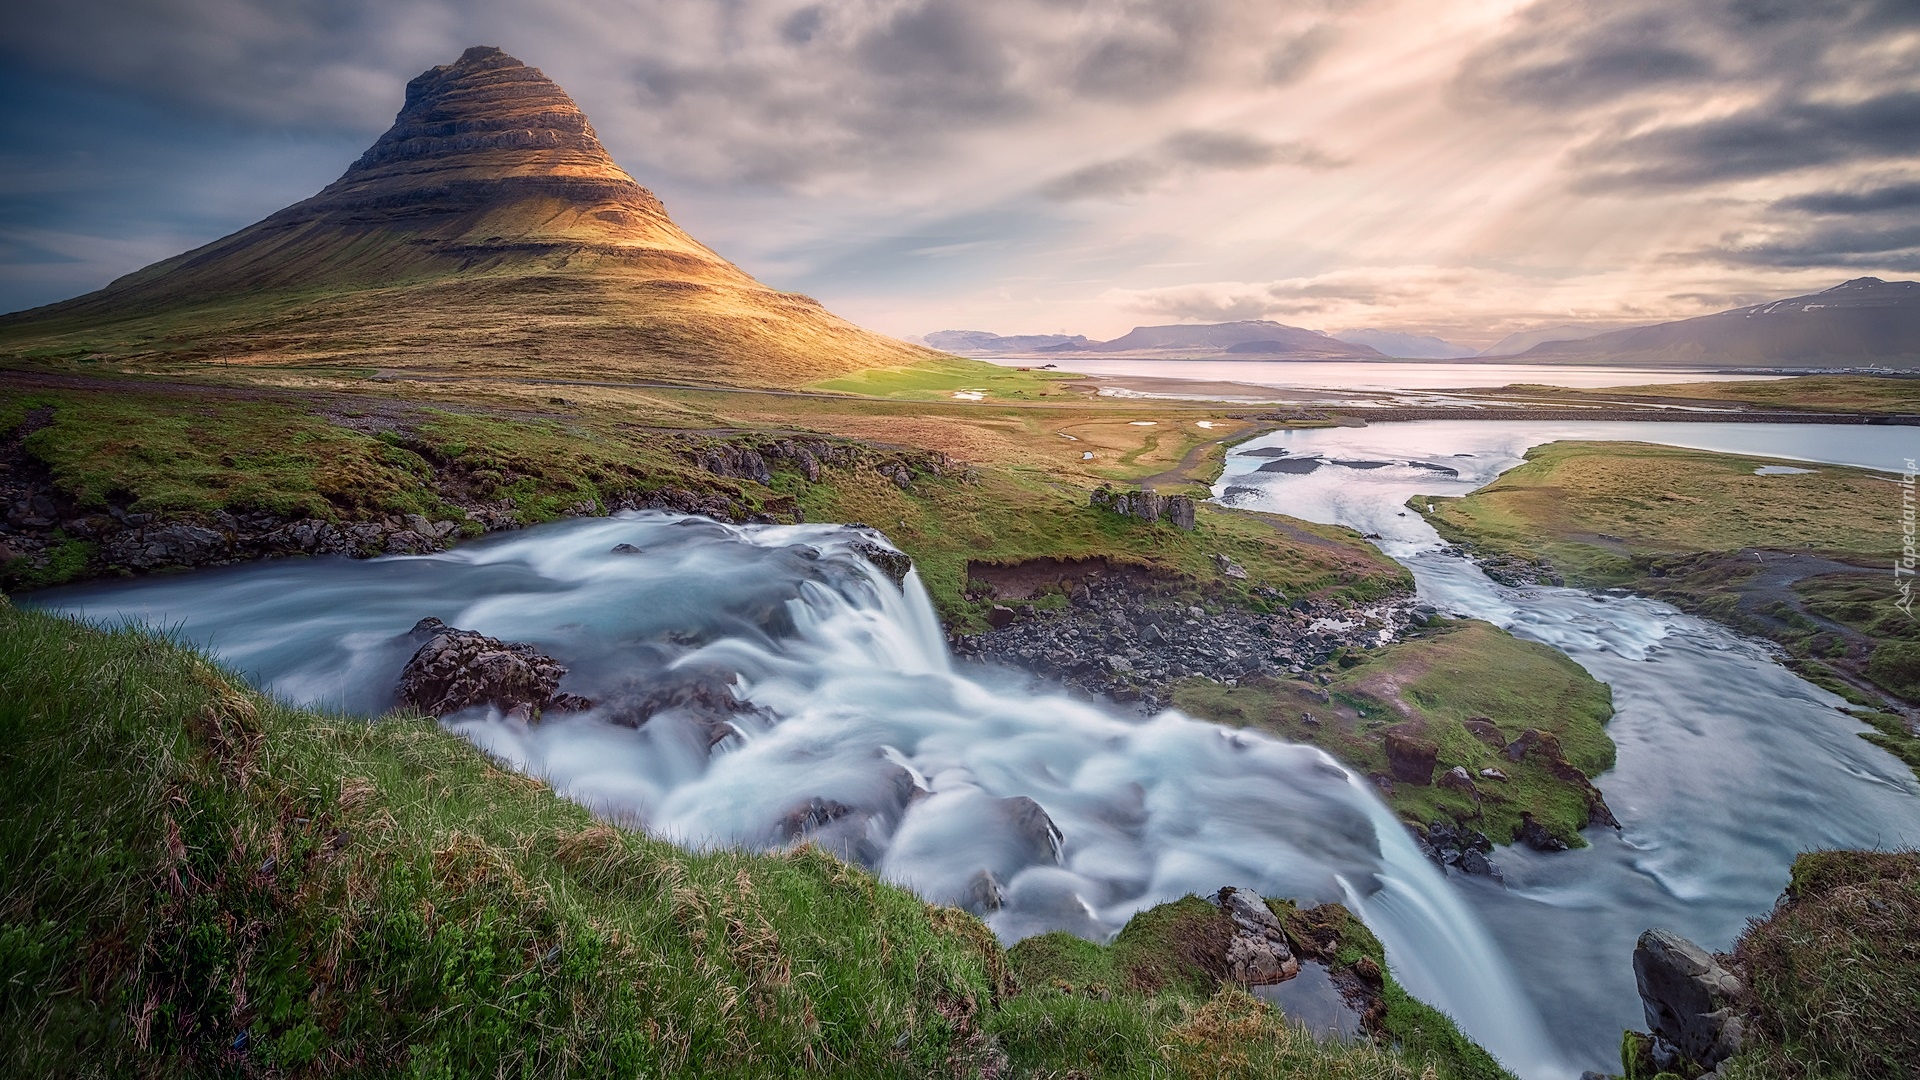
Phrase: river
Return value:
(1728, 766)
(854, 723)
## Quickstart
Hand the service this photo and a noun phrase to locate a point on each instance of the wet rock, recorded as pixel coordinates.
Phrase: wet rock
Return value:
(892, 563)
(1029, 822)
(178, 544)
(1688, 998)
(1411, 760)
(809, 817)
(1257, 953)
(624, 549)
(1535, 835)
(983, 894)
(459, 669)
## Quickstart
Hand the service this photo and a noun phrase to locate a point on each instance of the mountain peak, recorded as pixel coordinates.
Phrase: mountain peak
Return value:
(1860, 283)
(485, 115)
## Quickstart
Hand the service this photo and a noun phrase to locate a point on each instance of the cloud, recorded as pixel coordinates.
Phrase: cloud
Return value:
(1183, 153)
(1867, 200)
(1710, 91)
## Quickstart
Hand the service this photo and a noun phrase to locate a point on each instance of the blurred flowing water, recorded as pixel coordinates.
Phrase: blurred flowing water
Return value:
(854, 730)
(1729, 765)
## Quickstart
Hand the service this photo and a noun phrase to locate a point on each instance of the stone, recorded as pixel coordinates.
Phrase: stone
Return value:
(983, 894)
(1228, 568)
(624, 549)
(1689, 999)
(1493, 774)
(1458, 779)
(893, 564)
(1535, 835)
(1484, 729)
(458, 669)
(1257, 953)
(1411, 760)
(1029, 823)
(1000, 616)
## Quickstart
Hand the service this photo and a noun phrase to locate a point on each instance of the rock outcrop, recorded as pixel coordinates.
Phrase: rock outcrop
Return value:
(1147, 506)
(1690, 1001)
(460, 669)
(1257, 953)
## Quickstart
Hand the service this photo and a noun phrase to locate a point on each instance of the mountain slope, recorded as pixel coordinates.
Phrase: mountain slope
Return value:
(1863, 321)
(1521, 340)
(1250, 339)
(1407, 346)
(970, 342)
(487, 227)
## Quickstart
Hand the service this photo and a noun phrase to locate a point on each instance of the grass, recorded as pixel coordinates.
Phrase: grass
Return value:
(940, 380)
(1685, 526)
(1171, 953)
(182, 456)
(1812, 393)
(1834, 972)
(207, 882)
(1429, 688)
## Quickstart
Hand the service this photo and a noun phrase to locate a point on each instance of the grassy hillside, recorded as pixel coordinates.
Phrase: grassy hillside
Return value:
(1812, 393)
(205, 882)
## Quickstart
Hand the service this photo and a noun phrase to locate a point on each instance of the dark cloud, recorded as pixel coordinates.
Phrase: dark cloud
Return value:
(1294, 57)
(1867, 200)
(1184, 153)
(1806, 83)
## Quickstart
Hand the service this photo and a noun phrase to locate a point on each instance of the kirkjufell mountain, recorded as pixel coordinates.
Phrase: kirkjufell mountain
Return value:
(487, 229)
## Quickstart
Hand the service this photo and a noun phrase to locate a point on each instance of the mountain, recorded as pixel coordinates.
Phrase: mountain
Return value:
(1251, 339)
(982, 343)
(1516, 343)
(1409, 346)
(486, 231)
(1861, 322)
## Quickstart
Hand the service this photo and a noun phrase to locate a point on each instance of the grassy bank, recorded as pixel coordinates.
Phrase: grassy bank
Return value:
(1804, 393)
(1803, 559)
(205, 882)
(1467, 688)
(186, 456)
(1830, 978)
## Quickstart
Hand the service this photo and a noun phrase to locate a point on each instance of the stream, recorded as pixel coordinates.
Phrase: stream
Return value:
(1042, 812)
(1729, 765)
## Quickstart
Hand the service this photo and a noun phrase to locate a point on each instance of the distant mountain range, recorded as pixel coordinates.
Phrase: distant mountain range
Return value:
(1861, 322)
(1252, 339)
(1407, 346)
(487, 228)
(981, 343)
(1516, 343)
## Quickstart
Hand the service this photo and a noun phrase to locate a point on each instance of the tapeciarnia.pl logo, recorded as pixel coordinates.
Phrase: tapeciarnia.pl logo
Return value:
(1903, 567)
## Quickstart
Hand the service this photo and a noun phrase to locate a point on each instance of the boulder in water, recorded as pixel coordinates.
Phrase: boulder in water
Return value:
(1689, 1000)
(892, 563)
(458, 669)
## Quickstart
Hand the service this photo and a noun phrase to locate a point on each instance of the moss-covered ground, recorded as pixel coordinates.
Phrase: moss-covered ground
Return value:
(1803, 393)
(180, 454)
(1429, 688)
(203, 882)
(1170, 954)
(1805, 559)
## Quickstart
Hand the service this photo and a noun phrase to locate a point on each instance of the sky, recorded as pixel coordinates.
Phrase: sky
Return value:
(1462, 168)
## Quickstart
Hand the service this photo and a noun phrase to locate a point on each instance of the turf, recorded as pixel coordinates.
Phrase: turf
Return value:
(1426, 688)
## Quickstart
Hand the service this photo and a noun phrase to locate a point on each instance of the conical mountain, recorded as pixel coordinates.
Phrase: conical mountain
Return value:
(487, 230)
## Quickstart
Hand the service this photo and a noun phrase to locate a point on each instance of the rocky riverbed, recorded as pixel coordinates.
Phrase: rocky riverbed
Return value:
(1128, 639)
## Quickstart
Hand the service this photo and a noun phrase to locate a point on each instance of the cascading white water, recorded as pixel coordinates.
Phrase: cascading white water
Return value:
(1728, 764)
(855, 731)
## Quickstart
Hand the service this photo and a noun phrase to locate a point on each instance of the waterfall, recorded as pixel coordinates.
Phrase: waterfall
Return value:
(852, 728)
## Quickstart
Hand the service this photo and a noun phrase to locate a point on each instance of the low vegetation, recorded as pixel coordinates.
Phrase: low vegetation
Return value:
(1805, 393)
(1831, 976)
(182, 456)
(207, 882)
(1470, 690)
(1802, 558)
